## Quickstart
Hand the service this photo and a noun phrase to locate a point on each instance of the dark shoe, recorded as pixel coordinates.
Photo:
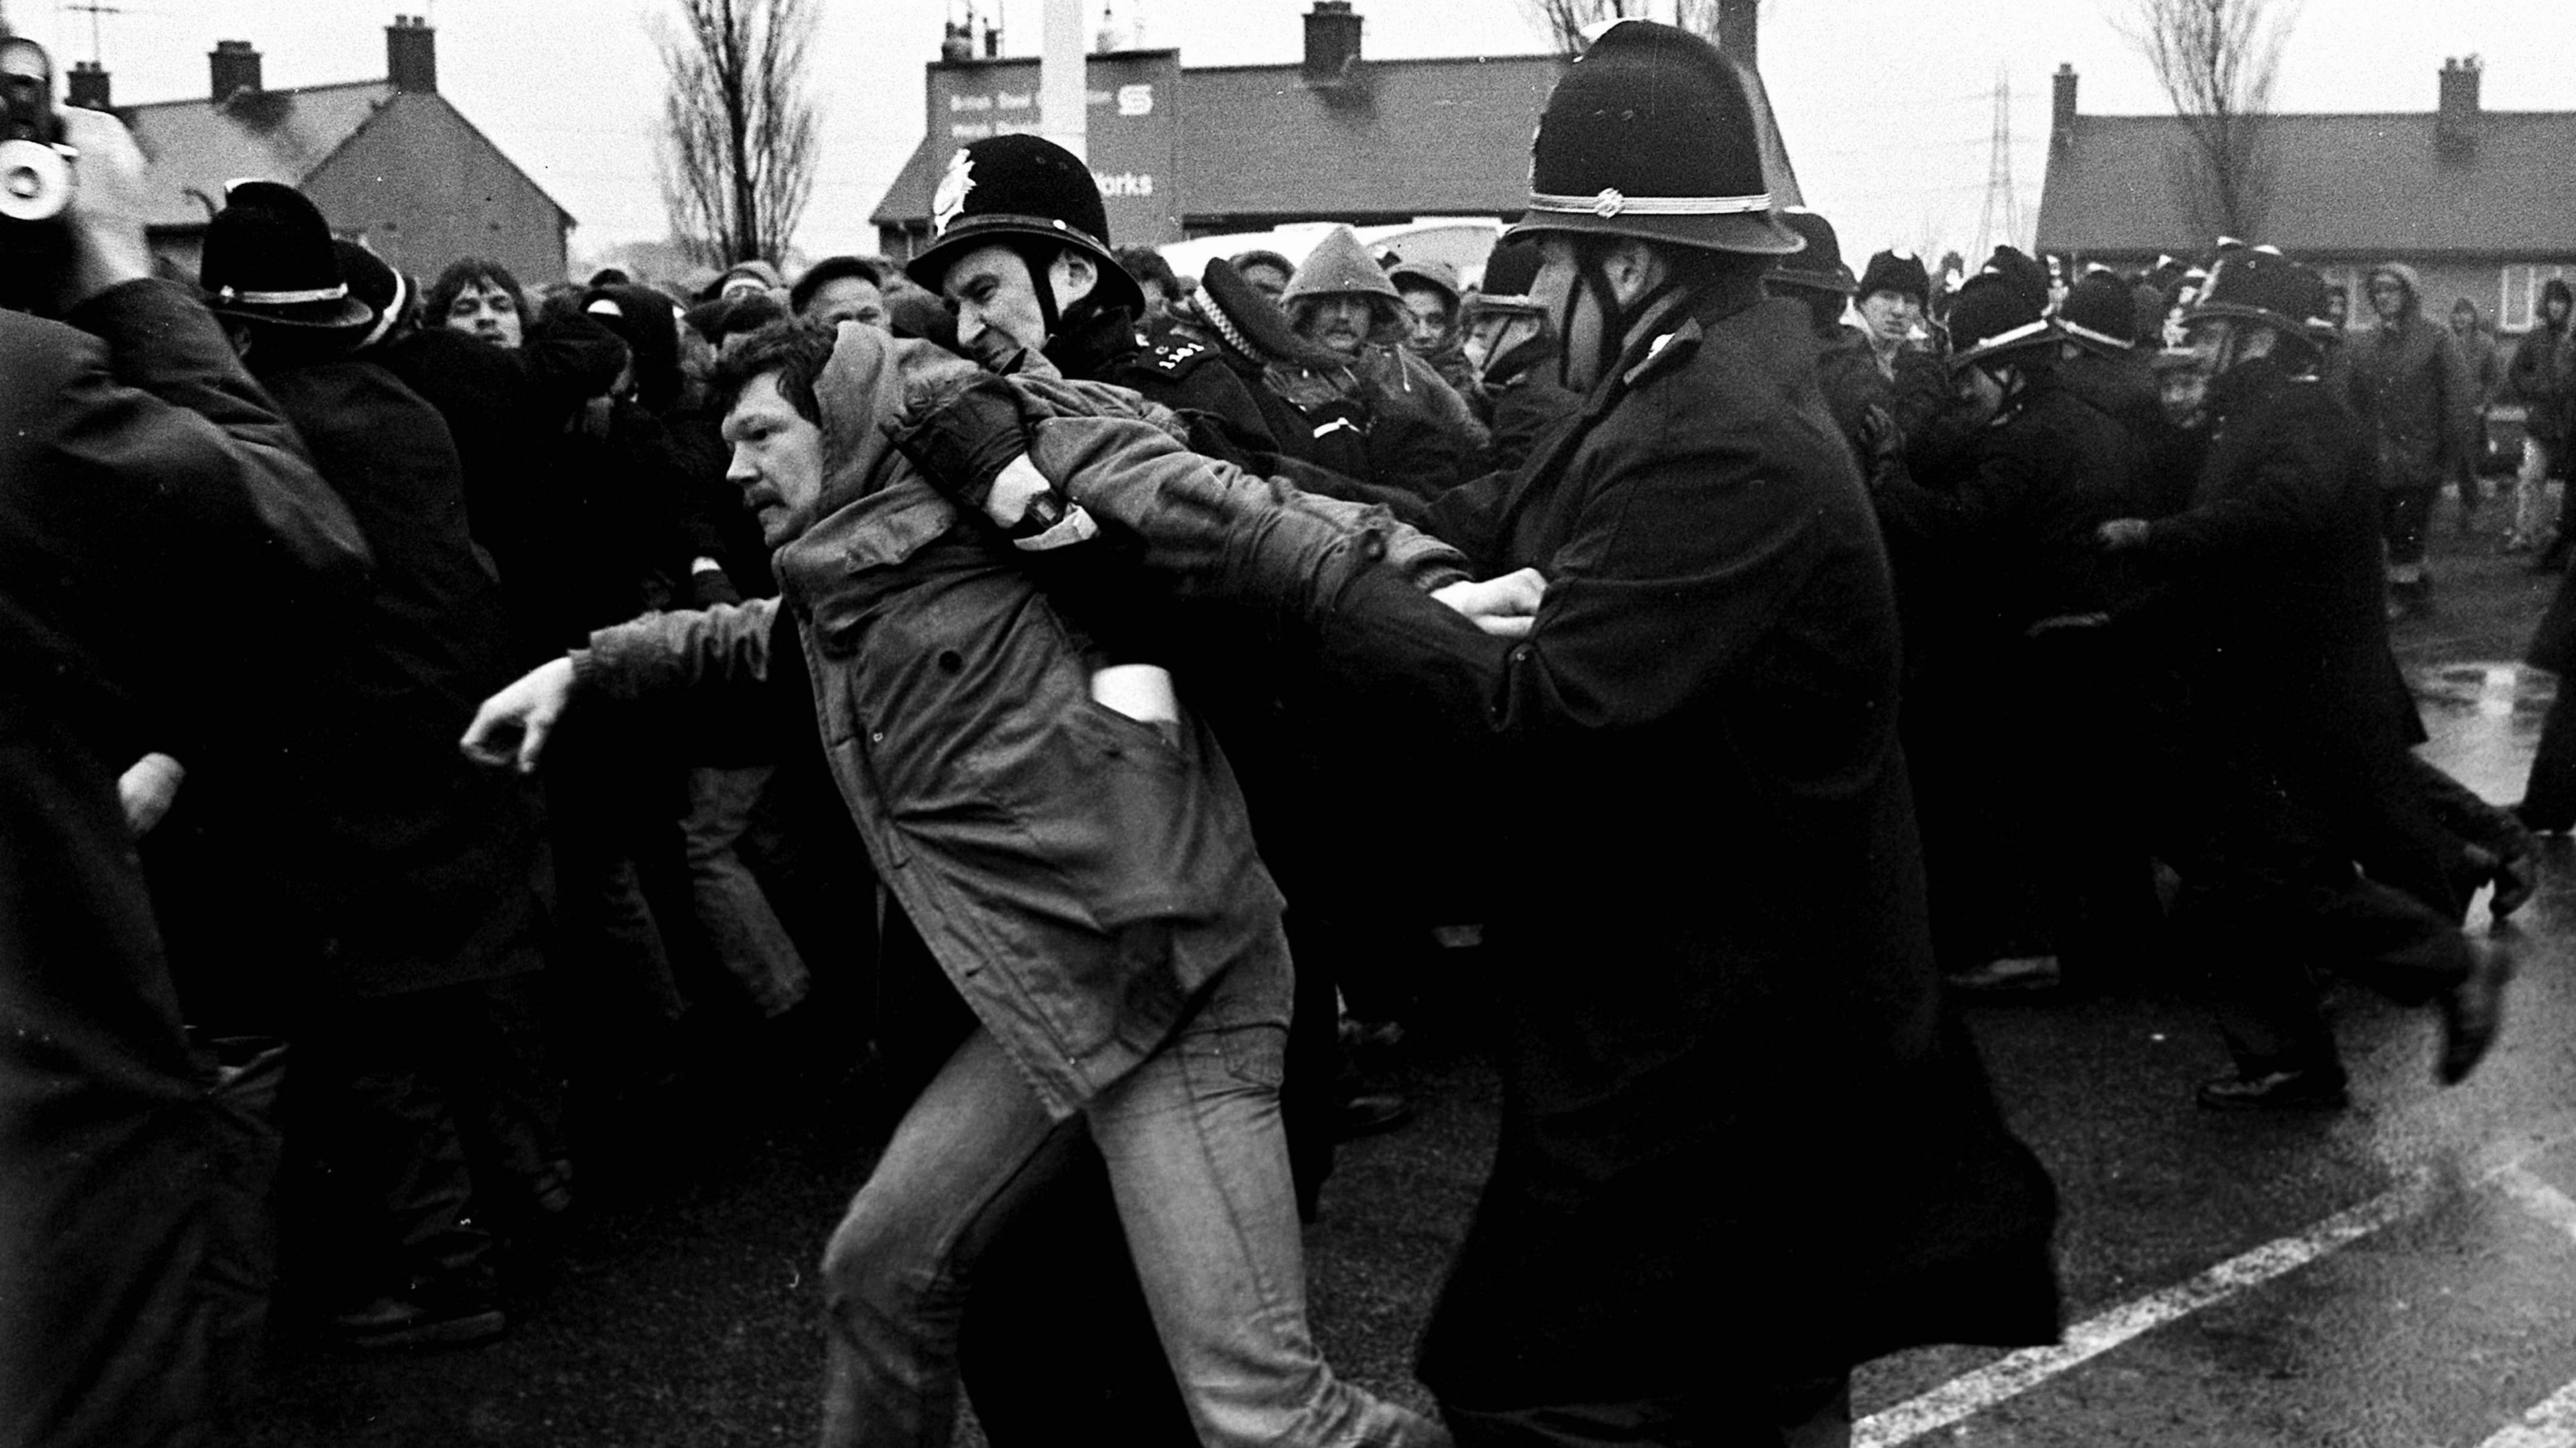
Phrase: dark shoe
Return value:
(1369, 1114)
(2010, 975)
(2314, 1089)
(2471, 1012)
(391, 1324)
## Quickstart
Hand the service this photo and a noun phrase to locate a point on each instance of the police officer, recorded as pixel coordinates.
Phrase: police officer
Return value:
(1022, 253)
(2299, 721)
(1717, 1042)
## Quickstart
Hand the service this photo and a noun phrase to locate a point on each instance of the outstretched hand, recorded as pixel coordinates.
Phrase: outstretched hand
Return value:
(512, 725)
(1506, 607)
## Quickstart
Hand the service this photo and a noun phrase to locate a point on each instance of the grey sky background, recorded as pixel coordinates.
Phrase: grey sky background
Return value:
(1886, 105)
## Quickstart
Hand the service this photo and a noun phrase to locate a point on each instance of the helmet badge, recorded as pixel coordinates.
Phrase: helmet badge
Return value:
(950, 199)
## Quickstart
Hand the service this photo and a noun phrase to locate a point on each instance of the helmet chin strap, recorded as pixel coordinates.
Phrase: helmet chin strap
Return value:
(1040, 257)
(1592, 275)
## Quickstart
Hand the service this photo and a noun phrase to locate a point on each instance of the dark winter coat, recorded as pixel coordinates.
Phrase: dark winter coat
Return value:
(141, 470)
(2274, 600)
(2411, 389)
(420, 868)
(507, 411)
(2012, 544)
(1694, 754)
(2121, 385)
(1528, 402)
(2542, 378)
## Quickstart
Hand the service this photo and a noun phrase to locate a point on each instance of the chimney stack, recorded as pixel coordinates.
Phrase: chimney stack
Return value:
(232, 66)
(88, 86)
(2061, 114)
(411, 55)
(1332, 44)
(1737, 21)
(2457, 123)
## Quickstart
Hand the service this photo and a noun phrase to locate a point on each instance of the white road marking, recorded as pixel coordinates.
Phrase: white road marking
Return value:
(2539, 1198)
(1973, 1393)
(2552, 1423)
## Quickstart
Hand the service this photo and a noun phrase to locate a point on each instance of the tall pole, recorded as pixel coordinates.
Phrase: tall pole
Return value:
(1061, 79)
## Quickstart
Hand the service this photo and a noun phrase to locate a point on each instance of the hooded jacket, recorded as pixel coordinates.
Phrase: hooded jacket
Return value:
(2543, 374)
(1080, 875)
(2411, 389)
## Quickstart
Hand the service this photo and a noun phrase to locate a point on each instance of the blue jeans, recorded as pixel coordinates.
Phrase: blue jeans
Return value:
(1200, 1172)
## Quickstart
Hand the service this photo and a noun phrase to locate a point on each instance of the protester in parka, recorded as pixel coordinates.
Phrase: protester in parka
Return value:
(2542, 377)
(2411, 390)
(1422, 435)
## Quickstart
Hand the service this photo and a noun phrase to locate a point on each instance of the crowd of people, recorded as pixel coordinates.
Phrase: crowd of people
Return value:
(1105, 687)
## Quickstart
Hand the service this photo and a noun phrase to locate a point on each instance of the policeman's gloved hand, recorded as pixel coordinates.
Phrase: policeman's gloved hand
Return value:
(1882, 445)
(973, 448)
(963, 444)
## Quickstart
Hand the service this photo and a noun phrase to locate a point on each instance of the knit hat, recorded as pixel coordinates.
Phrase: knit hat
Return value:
(1820, 263)
(1993, 314)
(1651, 134)
(268, 258)
(2099, 314)
(1900, 272)
(1339, 264)
(1017, 186)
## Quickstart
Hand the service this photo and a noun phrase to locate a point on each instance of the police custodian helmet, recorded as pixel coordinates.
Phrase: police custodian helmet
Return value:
(1650, 134)
(2260, 284)
(1019, 189)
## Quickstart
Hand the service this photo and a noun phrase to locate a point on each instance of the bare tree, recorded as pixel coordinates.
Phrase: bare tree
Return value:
(1566, 20)
(2217, 61)
(738, 152)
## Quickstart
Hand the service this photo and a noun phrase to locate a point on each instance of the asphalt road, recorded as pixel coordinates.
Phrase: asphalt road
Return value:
(2398, 1275)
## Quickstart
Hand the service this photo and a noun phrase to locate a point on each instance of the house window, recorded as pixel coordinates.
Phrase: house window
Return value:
(2522, 284)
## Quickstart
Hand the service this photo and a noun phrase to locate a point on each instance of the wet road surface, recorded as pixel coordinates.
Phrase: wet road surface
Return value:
(2398, 1275)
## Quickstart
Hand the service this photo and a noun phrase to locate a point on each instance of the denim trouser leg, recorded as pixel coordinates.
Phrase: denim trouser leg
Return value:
(735, 912)
(1199, 1166)
(1199, 1169)
(895, 1275)
(2531, 489)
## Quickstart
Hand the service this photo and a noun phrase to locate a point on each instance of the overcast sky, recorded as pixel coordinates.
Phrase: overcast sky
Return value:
(1886, 105)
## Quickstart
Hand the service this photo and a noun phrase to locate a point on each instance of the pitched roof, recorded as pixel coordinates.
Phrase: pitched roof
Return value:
(196, 146)
(1424, 138)
(2364, 185)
